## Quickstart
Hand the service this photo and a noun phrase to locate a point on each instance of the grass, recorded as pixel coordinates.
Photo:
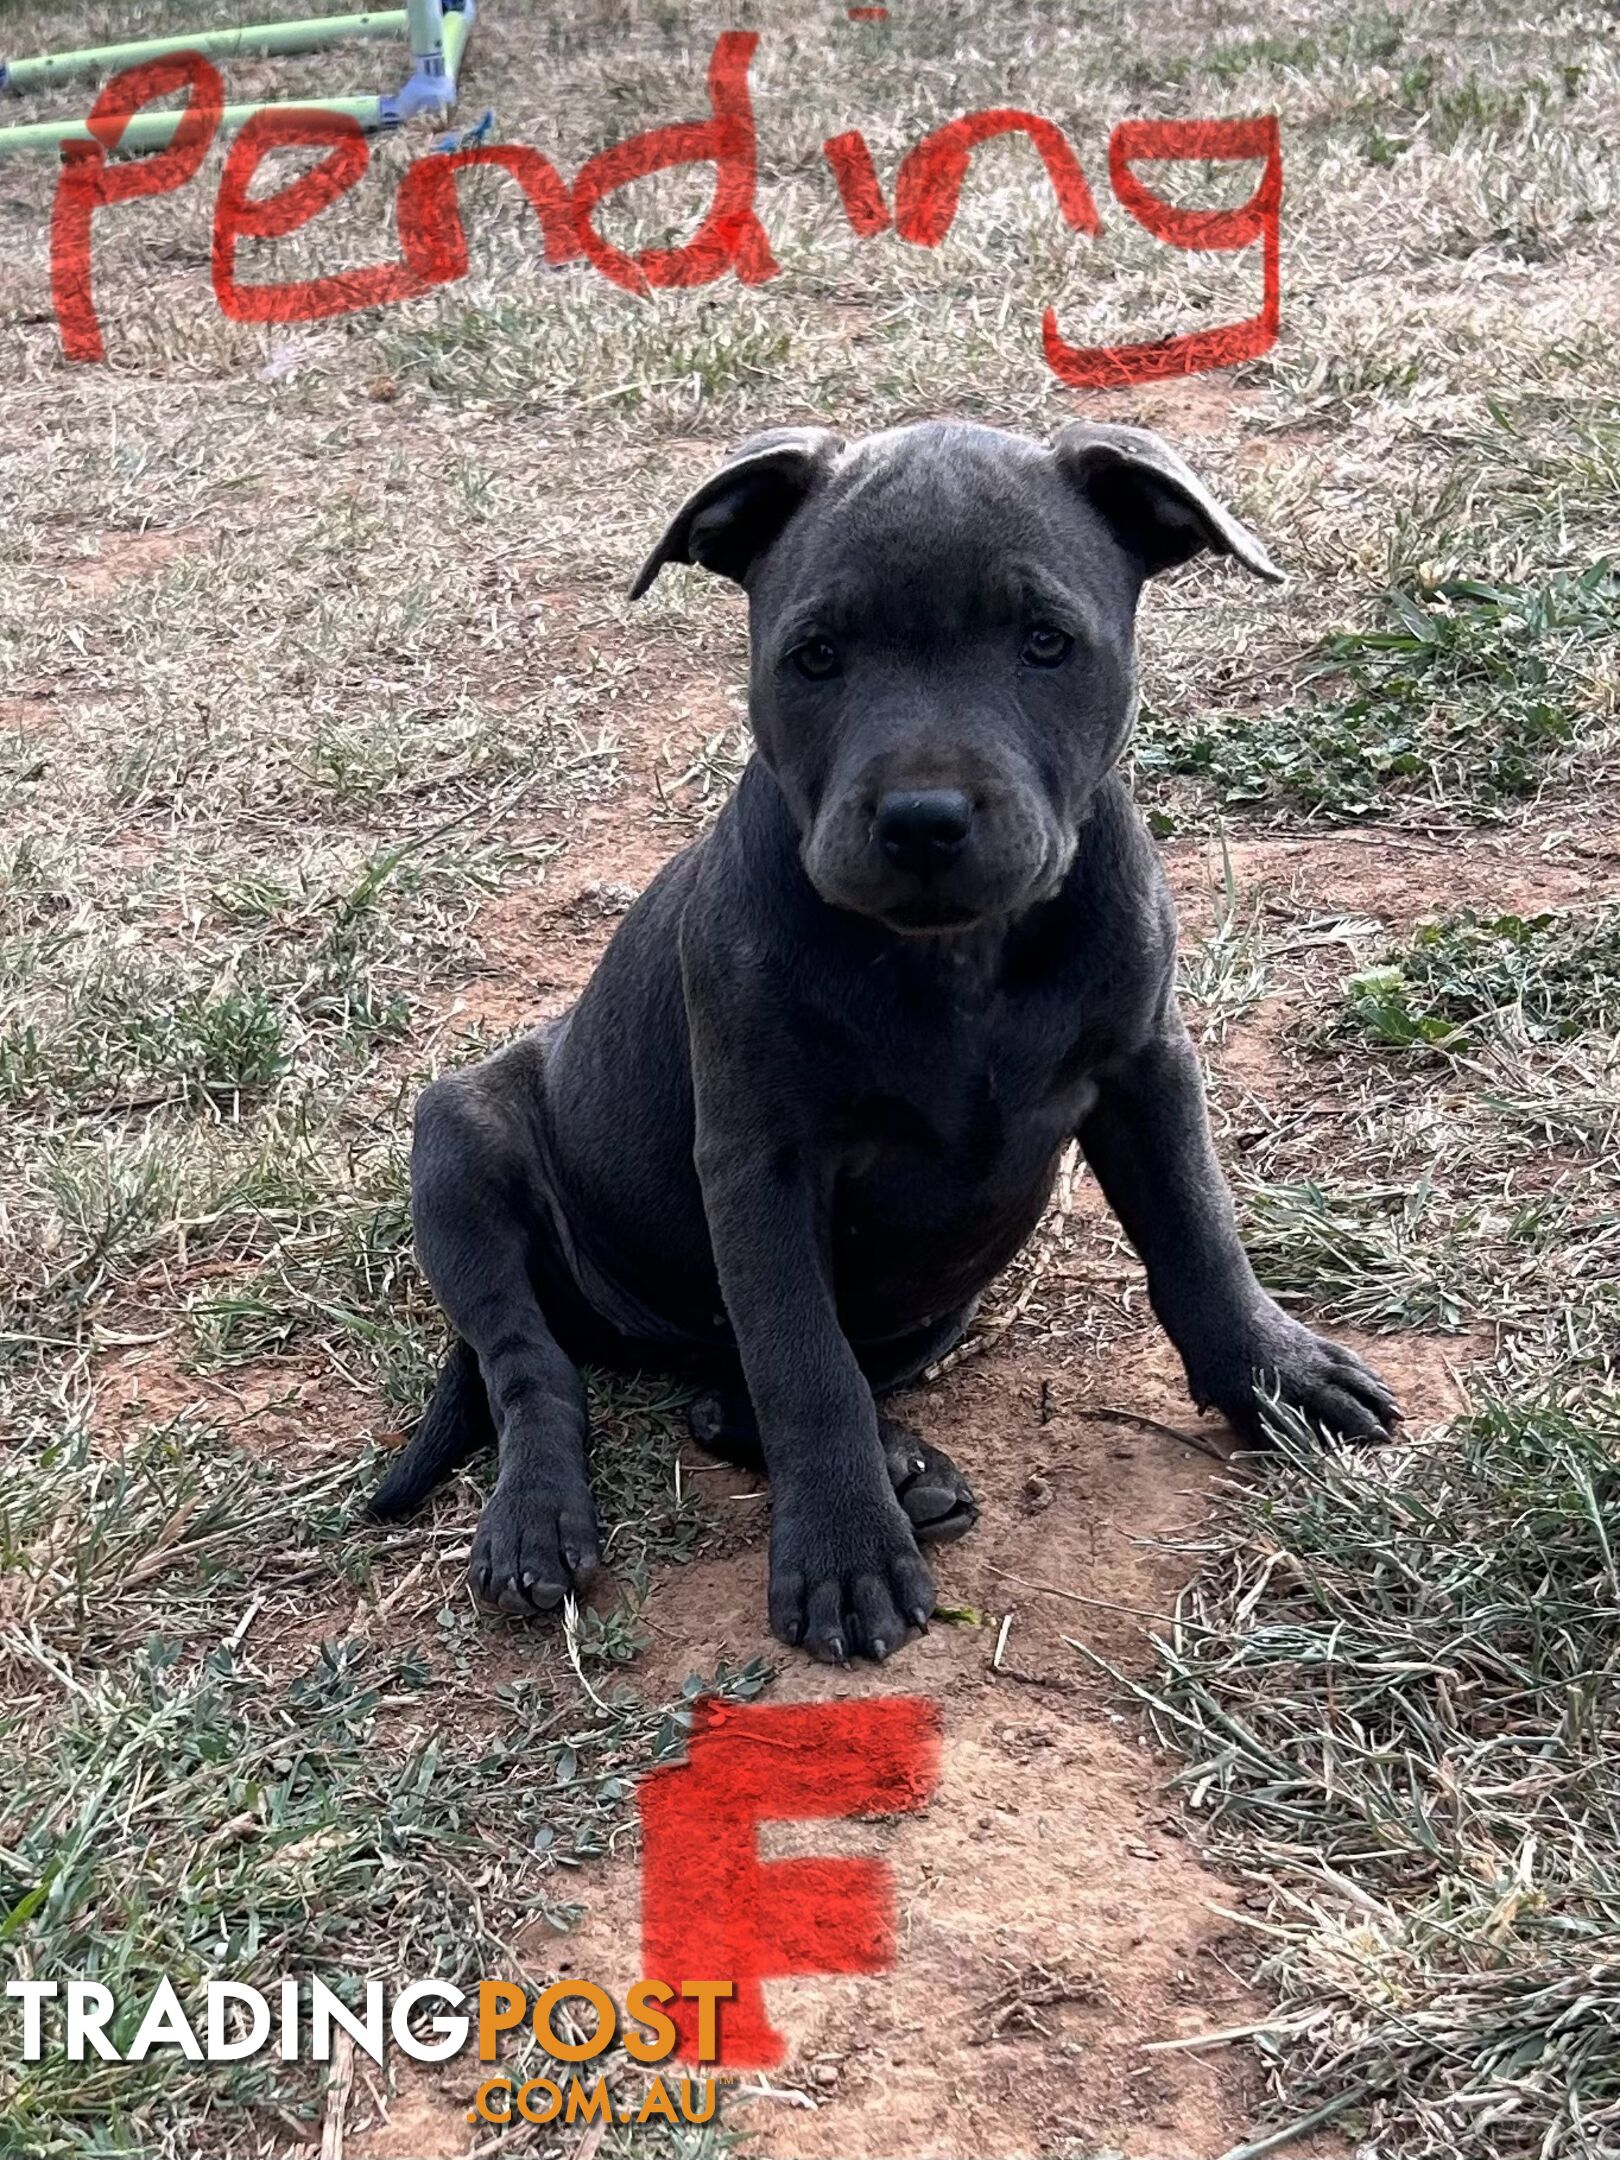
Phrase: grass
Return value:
(1553, 977)
(320, 708)
(1395, 1696)
(1223, 974)
(1373, 1257)
(199, 1804)
(1468, 699)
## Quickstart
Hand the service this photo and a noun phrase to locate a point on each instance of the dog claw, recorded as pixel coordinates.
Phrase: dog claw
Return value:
(847, 1601)
(521, 1563)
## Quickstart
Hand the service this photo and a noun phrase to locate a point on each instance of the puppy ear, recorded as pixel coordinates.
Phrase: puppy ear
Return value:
(740, 510)
(1159, 509)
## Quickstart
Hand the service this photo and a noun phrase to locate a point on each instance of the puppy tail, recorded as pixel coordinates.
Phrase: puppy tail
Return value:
(455, 1424)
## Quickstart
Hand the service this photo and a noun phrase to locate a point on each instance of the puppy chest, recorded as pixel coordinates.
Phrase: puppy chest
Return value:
(949, 1149)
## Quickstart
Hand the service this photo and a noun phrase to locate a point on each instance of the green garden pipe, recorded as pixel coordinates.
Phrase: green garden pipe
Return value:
(154, 131)
(438, 35)
(24, 76)
(426, 21)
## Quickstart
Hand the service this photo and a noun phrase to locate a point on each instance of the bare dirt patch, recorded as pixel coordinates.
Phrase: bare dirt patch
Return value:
(121, 557)
(1400, 878)
(28, 715)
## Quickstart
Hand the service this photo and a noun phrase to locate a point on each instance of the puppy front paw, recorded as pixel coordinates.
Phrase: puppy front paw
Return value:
(846, 1581)
(534, 1547)
(1274, 1354)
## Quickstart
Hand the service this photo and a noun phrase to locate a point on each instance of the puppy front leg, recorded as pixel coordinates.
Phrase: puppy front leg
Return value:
(1148, 1140)
(846, 1577)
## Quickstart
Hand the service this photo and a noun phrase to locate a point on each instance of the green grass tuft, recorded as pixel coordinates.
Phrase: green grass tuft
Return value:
(1553, 977)
(1469, 697)
(1377, 1257)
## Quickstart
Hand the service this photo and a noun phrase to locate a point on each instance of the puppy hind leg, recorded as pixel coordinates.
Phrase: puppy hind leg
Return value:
(454, 1426)
(537, 1537)
(477, 1206)
(935, 1495)
(937, 1498)
(721, 1420)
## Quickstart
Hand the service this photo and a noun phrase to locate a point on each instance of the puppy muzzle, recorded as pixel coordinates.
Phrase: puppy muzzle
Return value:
(934, 858)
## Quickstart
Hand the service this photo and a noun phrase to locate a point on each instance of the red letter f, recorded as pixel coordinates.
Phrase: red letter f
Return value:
(712, 1910)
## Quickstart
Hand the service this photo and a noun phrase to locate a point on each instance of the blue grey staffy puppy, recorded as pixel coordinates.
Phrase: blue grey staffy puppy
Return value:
(814, 1097)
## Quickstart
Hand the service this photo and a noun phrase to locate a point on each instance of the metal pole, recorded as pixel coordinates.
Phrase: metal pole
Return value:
(426, 18)
(24, 76)
(457, 29)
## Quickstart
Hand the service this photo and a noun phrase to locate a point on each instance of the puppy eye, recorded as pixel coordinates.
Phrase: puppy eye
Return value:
(815, 659)
(1046, 647)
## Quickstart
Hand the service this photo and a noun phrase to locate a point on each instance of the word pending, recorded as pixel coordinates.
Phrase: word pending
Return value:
(433, 240)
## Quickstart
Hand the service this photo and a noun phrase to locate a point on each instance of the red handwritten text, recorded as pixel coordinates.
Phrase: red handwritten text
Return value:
(432, 237)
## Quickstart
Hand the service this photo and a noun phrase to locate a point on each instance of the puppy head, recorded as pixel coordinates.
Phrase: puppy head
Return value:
(942, 625)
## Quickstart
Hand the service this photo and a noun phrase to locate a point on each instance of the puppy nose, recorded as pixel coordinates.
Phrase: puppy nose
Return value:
(923, 829)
